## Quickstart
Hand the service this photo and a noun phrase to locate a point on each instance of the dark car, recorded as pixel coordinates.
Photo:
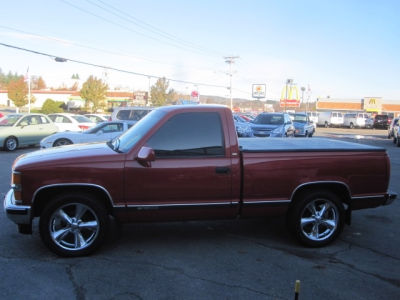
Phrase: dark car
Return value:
(381, 121)
(273, 125)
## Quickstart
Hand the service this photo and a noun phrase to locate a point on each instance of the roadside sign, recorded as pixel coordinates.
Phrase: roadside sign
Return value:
(258, 91)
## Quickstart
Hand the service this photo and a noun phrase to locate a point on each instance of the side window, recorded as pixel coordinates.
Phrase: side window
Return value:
(44, 120)
(24, 121)
(65, 120)
(189, 135)
(123, 115)
(35, 120)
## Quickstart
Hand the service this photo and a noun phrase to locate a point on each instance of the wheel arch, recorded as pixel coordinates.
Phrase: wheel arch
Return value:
(42, 196)
(59, 139)
(341, 189)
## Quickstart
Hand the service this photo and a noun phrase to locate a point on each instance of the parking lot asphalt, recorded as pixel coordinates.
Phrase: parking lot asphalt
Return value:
(229, 259)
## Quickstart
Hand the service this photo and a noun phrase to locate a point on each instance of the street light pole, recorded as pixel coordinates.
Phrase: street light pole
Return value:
(302, 95)
(230, 60)
(288, 82)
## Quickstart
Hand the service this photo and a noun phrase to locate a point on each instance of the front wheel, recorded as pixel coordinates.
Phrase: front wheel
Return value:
(11, 144)
(73, 225)
(317, 218)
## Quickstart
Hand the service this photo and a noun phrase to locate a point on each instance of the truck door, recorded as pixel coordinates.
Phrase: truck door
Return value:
(191, 177)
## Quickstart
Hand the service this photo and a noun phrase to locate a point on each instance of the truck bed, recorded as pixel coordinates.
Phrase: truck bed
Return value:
(301, 144)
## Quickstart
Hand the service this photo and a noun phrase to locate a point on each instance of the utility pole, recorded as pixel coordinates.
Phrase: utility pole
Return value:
(230, 60)
(302, 96)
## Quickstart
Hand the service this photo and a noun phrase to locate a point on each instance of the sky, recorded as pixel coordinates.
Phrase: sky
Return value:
(341, 49)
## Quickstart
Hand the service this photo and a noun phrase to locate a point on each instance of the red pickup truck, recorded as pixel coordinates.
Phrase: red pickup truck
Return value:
(186, 163)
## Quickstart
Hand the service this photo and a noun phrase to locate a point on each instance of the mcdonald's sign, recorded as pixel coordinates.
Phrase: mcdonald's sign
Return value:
(373, 104)
(290, 96)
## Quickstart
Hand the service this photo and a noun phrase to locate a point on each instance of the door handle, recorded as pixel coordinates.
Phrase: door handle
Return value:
(222, 170)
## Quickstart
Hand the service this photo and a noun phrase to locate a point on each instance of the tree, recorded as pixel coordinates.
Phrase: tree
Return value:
(159, 94)
(18, 92)
(50, 106)
(94, 92)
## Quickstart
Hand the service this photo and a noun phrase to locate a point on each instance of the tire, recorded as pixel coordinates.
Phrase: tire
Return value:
(317, 218)
(73, 225)
(310, 134)
(11, 143)
(326, 125)
(351, 126)
(62, 142)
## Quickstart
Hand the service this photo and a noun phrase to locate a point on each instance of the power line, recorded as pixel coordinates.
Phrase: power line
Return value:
(182, 47)
(93, 48)
(64, 59)
(148, 27)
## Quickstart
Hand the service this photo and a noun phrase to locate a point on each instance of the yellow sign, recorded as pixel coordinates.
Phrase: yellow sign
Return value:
(290, 96)
(373, 104)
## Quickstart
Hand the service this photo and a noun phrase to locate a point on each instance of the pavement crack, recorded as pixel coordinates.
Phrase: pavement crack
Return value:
(79, 290)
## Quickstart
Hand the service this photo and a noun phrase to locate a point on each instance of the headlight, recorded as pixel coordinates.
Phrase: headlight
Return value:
(277, 130)
(16, 186)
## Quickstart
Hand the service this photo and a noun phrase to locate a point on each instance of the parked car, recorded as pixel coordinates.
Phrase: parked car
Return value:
(381, 121)
(186, 163)
(98, 118)
(273, 125)
(71, 122)
(369, 123)
(302, 124)
(18, 130)
(353, 120)
(130, 114)
(243, 128)
(313, 116)
(102, 132)
(394, 123)
(330, 118)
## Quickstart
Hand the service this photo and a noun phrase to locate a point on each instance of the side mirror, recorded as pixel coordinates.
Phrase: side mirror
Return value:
(145, 156)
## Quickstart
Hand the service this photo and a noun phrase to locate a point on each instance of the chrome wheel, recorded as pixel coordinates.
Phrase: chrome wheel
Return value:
(319, 220)
(74, 226)
(11, 144)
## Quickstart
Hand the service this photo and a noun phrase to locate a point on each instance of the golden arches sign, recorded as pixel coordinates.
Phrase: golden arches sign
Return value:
(290, 96)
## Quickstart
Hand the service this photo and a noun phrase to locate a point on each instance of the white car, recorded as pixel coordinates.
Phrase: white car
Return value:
(101, 133)
(97, 118)
(71, 122)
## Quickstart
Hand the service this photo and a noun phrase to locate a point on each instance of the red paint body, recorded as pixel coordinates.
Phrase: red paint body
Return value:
(257, 184)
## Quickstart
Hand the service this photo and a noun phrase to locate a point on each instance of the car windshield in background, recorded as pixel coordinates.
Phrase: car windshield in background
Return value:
(128, 139)
(9, 120)
(82, 119)
(300, 118)
(269, 119)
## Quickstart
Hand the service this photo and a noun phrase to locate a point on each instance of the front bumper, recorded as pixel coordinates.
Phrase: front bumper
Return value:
(19, 214)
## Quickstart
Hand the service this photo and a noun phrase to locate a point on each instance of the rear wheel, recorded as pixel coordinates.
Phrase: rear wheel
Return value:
(317, 218)
(62, 142)
(11, 143)
(73, 225)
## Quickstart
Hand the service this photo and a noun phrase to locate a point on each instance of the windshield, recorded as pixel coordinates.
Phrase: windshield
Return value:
(300, 118)
(9, 120)
(265, 119)
(127, 140)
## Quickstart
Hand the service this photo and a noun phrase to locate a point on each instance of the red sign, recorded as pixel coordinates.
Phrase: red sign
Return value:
(290, 103)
